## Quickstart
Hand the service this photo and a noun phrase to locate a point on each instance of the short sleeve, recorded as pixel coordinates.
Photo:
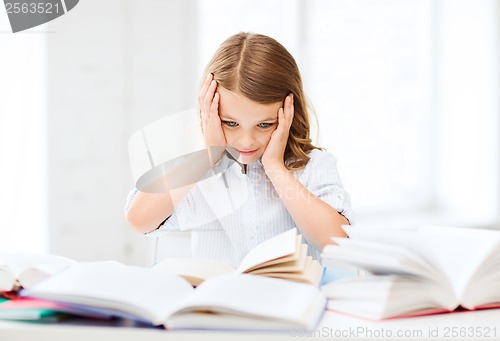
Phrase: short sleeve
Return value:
(130, 197)
(322, 178)
(181, 218)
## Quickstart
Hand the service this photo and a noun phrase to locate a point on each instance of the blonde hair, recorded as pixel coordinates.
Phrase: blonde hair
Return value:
(261, 69)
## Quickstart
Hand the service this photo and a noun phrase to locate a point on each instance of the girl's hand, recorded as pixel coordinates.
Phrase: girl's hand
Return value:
(274, 154)
(208, 101)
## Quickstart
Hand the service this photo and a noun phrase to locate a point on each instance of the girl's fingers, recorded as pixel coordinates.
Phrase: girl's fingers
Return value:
(285, 114)
(204, 89)
(214, 109)
(290, 102)
(282, 124)
(281, 118)
(209, 96)
(289, 109)
(211, 123)
(277, 144)
(205, 98)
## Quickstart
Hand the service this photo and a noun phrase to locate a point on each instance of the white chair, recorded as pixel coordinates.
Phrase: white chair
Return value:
(171, 244)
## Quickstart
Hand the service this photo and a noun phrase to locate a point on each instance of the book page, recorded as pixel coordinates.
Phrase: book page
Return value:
(379, 297)
(459, 252)
(311, 273)
(29, 268)
(7, 278)
(380, 258)
(279, 246)
(295, 265)
(280, 260)
(403, 237)
(119, 289)
(483, 291)
(227, 321)
(258, 297)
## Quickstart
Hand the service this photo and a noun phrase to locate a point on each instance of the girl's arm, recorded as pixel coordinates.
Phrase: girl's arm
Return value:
(317, 220)
(148, 210)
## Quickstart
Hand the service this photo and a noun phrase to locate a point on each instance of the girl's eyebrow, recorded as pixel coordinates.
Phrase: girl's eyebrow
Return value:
(229, 118)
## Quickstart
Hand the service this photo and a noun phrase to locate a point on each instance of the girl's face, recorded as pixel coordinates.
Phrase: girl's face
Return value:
(247, 125)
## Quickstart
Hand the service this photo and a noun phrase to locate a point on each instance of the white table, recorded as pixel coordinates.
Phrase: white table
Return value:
(477, 325)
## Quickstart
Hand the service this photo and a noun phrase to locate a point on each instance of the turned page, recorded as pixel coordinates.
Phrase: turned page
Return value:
(459, 252)
(258, 297)
(402, 237)
(29, 268)
(282, 245)
(380, 258)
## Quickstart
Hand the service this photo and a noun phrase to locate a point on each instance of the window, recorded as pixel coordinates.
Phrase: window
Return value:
(394, 84)
(22, 140)
(367, 70)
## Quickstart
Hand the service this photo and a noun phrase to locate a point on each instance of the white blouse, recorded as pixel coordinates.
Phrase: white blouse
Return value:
(230, 213)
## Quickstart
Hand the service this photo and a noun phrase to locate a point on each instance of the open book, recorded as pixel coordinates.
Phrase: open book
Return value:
(430, 270)
(155, 296)
(24, 270)
(283, 256)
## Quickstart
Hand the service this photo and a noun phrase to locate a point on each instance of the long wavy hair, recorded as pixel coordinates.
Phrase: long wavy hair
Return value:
(261, 69)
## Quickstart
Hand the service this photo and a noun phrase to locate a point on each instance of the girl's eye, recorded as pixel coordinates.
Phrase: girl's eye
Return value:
(264, 125)
(230, 123)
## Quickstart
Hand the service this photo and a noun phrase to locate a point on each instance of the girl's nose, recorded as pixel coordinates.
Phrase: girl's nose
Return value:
(246, 139)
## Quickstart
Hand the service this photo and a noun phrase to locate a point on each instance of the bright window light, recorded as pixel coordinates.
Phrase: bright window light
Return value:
(23, 159)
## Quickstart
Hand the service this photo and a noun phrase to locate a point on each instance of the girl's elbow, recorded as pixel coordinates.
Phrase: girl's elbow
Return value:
(137, 222)
(327, 239)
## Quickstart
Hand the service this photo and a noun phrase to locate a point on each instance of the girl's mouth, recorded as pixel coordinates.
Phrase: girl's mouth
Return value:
(247, 152)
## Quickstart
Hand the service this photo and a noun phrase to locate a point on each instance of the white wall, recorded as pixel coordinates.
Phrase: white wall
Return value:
(467, 87)
(113, 67)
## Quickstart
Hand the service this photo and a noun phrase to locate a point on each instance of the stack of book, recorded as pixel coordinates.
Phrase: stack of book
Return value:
(275, 288)
(431, 269)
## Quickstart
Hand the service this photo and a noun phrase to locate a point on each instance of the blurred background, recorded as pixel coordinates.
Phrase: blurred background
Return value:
(406, 93)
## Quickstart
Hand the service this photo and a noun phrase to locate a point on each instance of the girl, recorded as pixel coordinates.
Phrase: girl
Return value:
(252, 102)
